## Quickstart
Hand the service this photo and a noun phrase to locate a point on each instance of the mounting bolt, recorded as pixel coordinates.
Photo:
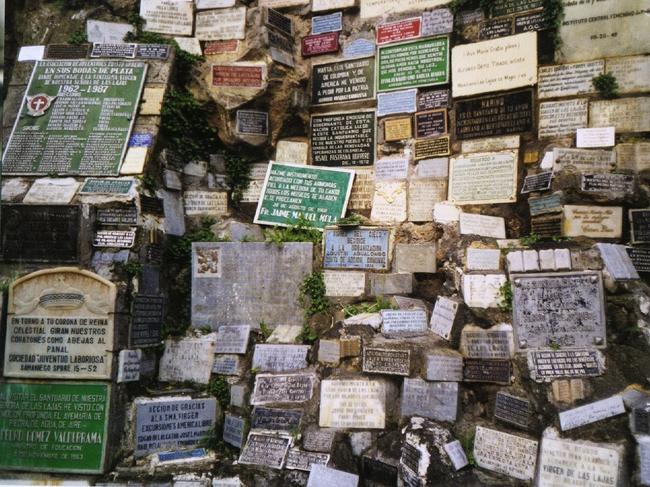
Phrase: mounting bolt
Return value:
(599, 340)
(594, 279)
(517, 282)
(523, 343)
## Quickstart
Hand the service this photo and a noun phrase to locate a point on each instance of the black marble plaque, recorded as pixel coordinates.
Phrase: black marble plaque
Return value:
(410, 457)
(546, 226)
(275, 419)
(40, 233)
(491, 116)
(641, 419)
(343, 139)
(379, 472)
(152, 51)
(432, 99)
(152, 205)
(640, 226)
(640, 258)
(512, 409)
(537, 182)
(623, 184)
(113, 50)
(252, 122)
(66, 51)
(532, 22)
(118, 216)
(343, 81)
(276, 20)
(431, 123)
(493, 28)
(147, 313)
(486, 370)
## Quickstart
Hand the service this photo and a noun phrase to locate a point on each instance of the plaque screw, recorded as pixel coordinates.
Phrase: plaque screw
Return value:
(594, 279)
(517, 282)
(523, 343)
(598, 340)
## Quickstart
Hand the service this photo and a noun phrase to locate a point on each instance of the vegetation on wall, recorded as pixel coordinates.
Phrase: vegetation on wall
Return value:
(238, 175)
(302, 231)
(606, 85)
(78, 37)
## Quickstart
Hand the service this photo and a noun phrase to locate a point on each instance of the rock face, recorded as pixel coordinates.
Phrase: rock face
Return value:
(328, 243)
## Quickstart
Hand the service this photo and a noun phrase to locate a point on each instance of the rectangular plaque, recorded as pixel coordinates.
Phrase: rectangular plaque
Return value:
(303, 460)
(565, 309)
(121, 239)
(537, 182)
(396, 102)
(387, 361)
(233, 339)
(66, 51)
(279, 358)
(583, 160)
(397, 129)
(291, 191)
(533, 22)
(546, 204)
(352, 404)
(343, 81)
(400, 30)
(547, 365)
(317, 44)
(357, 248)
(376, 8)
(320, 24)
(431, 123)
(117, 215)
(38, 420)
(510, 113)
(220, 47)
(444, 367)
(592, 412)
(432, 99)
(403, 323)
(153, 51)
(595, 137)
(343, 139)
(487, 370)
(221, 24)
(512, 409)
(505, 453)
(433, 400)
(233, 430)
(238, 75)
(475, 342)
(107, 186)
(639, 226)
(423, 195)
(252, 122)
(265, 450)
(621, 184)
(288, 388)
(322, 476)
(124, 50)
(562, 118)
(411, 64)
(275, 419)
(147, 314)
(568, 79)
(281, 47)
(226, 364)
(483, 178)
(625, 114)
(438, 21)
(632, 73)
(509, 7)
(173, 422)
(40, 233)
(494, 28)
(188, 359)
(429, 148)
(75, 118)
(592, 221)
(640, 258)
(165, 17)
(277, 20)
(391, 169)
(483, 225)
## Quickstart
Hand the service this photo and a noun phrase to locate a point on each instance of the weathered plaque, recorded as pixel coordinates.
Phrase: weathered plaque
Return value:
(399, 128)
(504, 453)
(444, 367)
(434, 400)
(583, 160)
(234, 430)
(375, 8)
(124, 50)
(252, 122)
(291, 191)
(363, 189)
(510, 113)
(456, 454)
(494, 28)
(226, 364)
(322, 476)
(147, 313)
(568, 79)
(477, 259)
(595, 137)
(319, 440)
(633, 156)
(118, 215)
(279, 358)
(387, 361)
(632, 73)
(360, 47)
(625, 114)
(428, 148)
(189, 359)
(402, 323)
(277, 20)
(288, 151)
(343, 139)
(617, 262)
(483, 225)
(66, 51)
(42, 424)
(437, 167)
(378, 471)
(562, 462)
(122, 239)
(60, 325)
(640, 258)
(400, 30)
(214, 203)
(168, 16)
(423, 194)
(431, 123)
(275, 419)
(357, 248)
(343, 81)
(40, 233)
(391, 168)
(546, 204)
(221, 24)
(639, 226)
(232, 339)
(220, 47)
(411, 64)
(487, 370)
(560, 118)
(266, 450)
(173, 422)
(287, 388)
(410, 461)
(128, 369)
(281, 48)
(496, 342)
(75, 118)
(318, 44)
(621, 184)
(532, 22)
(432, 99)
(509, 7)
(352, 404)
(321, 24)
(403, 101)
(107, 186)
(592, 412)
(303, 460)
(483, 178)
(592, 221)
(443, 316)
(640, 419)
(512, 409)
(344, 283)
(238, 75)
(537, 182)
(438, 21)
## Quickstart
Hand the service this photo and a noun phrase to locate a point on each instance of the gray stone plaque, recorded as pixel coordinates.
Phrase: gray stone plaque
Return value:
(434, 400)
(565, 309)
(318, 439)
(280, 358)
(356, 248)
(487, 370)
(233, 339)
(404, 323)
(266, 450)
(118, 216)
(444, 367)
(493, 343)
(546, 365)
(276, 419)
(512, 409)
(234, 430)
(226, 365)
(237, 283)
(172, 423)
(322, 476)
(289, 388)
(386, 361)
(303, 460)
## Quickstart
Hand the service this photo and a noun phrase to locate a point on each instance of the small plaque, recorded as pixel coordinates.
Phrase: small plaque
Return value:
(147, 313)
(400, 30)
(397, 129)
(153, 51)
(128, 369)
(357, 248)
(509, 7)
(619, 184)
(537, 182)
(66, 51)
(277, 20)
(121, 239)
(456, 454)
(438, 21)
(303, 460)
(232, 339)
(265, 450)
(404, 323)
(562, 118)
(639, 226)
(238, 75)
(226, 364)
(505, 453)
(547, 365)
(545, 204)
(403, 101)
(320, 24)
(640, 258)
(546, 226)
(387, 361)
(496, 343)
(444, 367)
(322, 476)
(352, 404)
(317, 44)
(443, 316)
(592, 412)
(275, 419)
(494, 28)
(118, 216)
(430, 148)
(431, 124)
(107, 186)
(433, 400)
(123, 50)
(289, 388)
(188, 359)
(432, 99)
(252, 122)
(487, 370)
(512, 409)
(533, 22)
(279, 358)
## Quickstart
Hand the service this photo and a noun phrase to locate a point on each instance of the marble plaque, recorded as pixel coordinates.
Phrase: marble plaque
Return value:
(352, 404)
(568, 79)
(303, 460)
(106, 32)
(633, 156)
(509, 7)
(546, 365)
(438, 21)
(60, 324)
(592, 221)
(496, 342)
(234, 430)
(482, 225)
(487, 370)
(491, 116)
(275, 419)
(402, 323)
(617, 262)
(386, 361)
(583, 160)
(356, 248)
(265, 450)
(168, 16)
(432, 168)
(491, 144)
(504, 453)
(221, 24)
(188, 359)
(403, 101)
(232, 339)
(128, 369)
(443, 316)
(444, 367)
(322, 476)
(376, 8)
(391, 168)
(563, 462)
(592, 412)
(291, 151)
(503, 64)
(252, 122)
(235, 283)
(286, 388)
(58, 191)
(319, 440)
(595, 137)
(389, 202)
(321, 24)
(329, 351)
(343, 139)
(399, 128)
(483, 178)
(226, 364)
(433, 400)
(643, 451)
(561, 118)
(322, 5)
(168, 423)
(456, 454)
(483, 259)
(280, 358)
(632, 73)
(512, 409)
(343, 81)
(625, 114)
(344, 284)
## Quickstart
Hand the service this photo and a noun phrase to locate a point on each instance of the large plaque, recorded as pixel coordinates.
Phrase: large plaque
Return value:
(352, 404)
(343, 81)
(565, 309)
(286, 388)
(40, 233)
(147, 313)
(510, 113)
(343, 139)
(411, 64)
(358, 248)
(483, 178)
(60, 325)
(54, 427)
(75, 118)
(505, 453)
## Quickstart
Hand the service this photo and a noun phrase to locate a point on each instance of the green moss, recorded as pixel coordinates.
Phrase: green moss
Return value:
(353, 219)
(307, 335)
(606, 85)
(311, 295)
(302, 231)
(219, 388)
(529, 240)
(131, 269)
(78, 37)
(467, 442)
(265, 330)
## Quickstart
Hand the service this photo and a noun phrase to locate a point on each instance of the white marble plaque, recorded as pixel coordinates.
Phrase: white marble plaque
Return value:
(129, 365)
(396, 102)
(232, 339)
(644, 458)
(592, 221)
(375, 8)
(568, 79)
(632, 73)
(504, 453)
(483, 259)
(592, 412)
(107, 32)
(213, 203)
(222, 24)
(483, 178)
(207, 4)
(352, 404)
(432, 168)
(482, 290)
(438, 21)
(490, 144)
(280, 358)
(433, 400)
(494, 65)
(559, 118)
(341, 284)
(625, 114)
(188, 359)
(482, 225)
(617, 261)
(456, 454)
(583, 160)
(56, 191)
(443, 316)
(411, 322)
(391, 168)
(322, 5)
(292, 152)
(595, 137)
(174, 17)
(423, 195)
(389, 202)
(322, 476)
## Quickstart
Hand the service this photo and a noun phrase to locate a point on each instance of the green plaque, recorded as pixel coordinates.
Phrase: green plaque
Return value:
(53, 427)
(293, 191)
(107, 186)
(75, 118)
(423, 62)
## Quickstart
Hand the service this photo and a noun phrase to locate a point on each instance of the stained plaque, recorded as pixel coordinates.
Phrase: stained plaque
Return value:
(512, 409)
(265, 450)
(287, 388)
(352, 404)
(357, 248)
(275, 419)
(386, 361)
(487, 370)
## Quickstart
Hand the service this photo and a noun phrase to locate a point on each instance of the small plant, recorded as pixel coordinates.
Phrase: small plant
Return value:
(78, 37)
(6, 282)
(467, 442)
(553, 12)
(353, 219)
(302, 231)
(265, 330)
(238, 175)
(554, 345)
(530, 240)
(311, 295)
(172, 328)
(368, 307)
(205, 330)
(131, 269)
(559, 238)
(307, 335)
(149, 183)
(219, 388)
(505, 297)
(606, 85)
